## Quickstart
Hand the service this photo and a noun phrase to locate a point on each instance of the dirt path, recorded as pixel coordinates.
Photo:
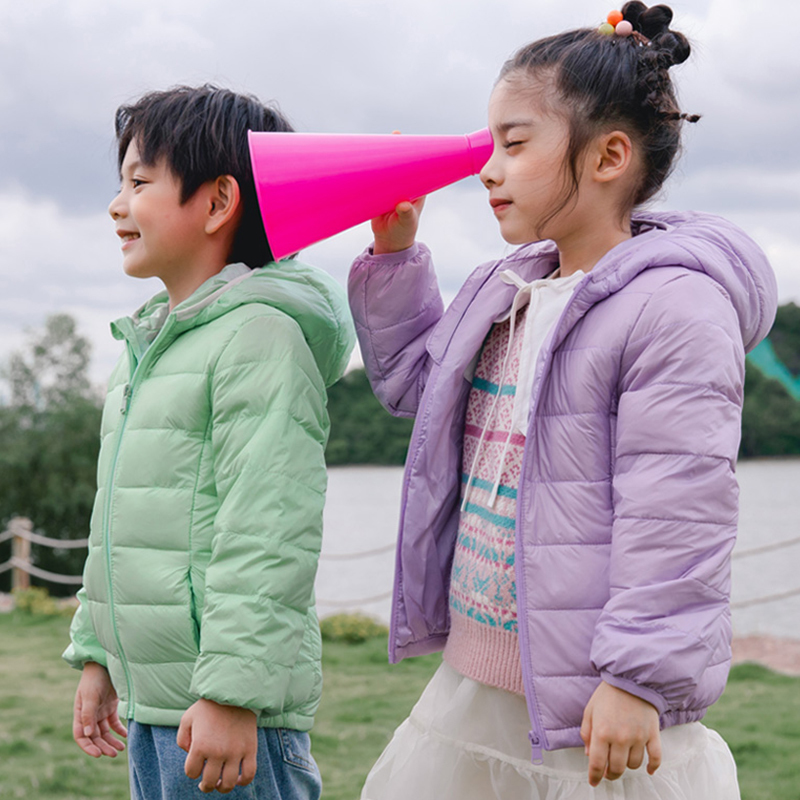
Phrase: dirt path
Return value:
(782, 655)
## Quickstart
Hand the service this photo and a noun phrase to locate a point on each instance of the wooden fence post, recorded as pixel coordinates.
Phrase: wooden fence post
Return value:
(21, 549)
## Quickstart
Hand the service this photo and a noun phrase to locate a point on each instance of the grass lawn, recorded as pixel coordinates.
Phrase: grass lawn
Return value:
(364, 700)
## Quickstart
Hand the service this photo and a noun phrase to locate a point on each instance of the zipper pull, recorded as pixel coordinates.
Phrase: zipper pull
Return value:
(126, 399)
(536, 748)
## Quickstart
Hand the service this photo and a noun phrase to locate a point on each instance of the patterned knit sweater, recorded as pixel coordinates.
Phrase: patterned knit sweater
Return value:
(483, 642)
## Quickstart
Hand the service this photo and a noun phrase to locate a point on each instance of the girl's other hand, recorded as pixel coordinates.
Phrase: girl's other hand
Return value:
(397, 230)
(617, 727)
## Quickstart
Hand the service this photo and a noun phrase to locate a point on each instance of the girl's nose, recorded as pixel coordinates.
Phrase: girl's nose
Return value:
(490, 174)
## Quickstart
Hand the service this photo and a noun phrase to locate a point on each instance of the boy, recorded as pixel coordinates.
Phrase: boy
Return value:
(196, 621)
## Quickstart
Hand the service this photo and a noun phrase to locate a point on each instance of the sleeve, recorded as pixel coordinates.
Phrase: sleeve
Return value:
(84, 645)
(269, 427)
(675, 496)
(395, 302)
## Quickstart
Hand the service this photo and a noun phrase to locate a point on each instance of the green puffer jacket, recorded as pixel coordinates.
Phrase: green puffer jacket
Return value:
(207, 524)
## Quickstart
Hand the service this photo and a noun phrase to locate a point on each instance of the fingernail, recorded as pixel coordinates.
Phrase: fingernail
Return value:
(87, 731)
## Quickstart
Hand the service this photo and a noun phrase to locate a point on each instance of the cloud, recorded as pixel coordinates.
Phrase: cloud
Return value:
(355, 65)
(53, 261)
(360, 65)
(746, 86)
(738, 189)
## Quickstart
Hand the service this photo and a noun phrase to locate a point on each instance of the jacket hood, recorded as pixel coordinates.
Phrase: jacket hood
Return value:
(702, 242)
(308, 295)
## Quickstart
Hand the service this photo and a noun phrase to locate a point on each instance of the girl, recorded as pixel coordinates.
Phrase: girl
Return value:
(569, 501)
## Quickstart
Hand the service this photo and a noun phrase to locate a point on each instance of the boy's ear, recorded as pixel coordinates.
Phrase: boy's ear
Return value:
(612, 156)
(223, 202)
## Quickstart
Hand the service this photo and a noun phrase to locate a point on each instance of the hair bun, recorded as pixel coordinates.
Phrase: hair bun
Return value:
(673, 46)
(633, 11)
(655, 21)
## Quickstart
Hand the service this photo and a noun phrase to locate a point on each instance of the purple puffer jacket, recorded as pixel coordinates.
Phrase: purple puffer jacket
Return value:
(627, 504)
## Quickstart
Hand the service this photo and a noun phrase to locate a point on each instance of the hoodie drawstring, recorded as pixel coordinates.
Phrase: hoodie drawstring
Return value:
(547, 298)
(514, 280)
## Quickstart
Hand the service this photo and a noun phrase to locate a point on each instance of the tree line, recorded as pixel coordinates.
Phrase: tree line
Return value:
(50, 422)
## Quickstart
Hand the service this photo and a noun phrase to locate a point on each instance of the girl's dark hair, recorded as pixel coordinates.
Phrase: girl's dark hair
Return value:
(201, 132)
(609, 82)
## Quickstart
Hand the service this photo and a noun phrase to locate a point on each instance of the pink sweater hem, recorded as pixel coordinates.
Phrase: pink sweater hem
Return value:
(485, 654)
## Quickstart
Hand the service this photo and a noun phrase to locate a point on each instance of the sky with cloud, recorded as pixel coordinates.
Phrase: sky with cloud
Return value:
(369, 66)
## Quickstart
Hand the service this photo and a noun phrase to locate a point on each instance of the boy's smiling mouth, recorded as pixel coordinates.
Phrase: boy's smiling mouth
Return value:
(127, 237)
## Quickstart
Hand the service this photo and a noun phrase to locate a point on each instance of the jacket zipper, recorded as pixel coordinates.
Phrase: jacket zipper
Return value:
(127, 397)
(127, 394)
(535, 735)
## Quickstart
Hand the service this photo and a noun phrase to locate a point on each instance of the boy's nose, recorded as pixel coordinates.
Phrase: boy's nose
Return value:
(115, 208)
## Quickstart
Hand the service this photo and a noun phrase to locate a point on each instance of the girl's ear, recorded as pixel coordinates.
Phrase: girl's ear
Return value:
(223, 202)
(612, 156)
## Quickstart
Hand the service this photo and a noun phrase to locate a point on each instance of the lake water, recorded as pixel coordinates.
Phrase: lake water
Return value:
(362, 512)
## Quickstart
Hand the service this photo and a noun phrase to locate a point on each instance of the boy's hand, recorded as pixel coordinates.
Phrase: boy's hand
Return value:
(397, 230)
(94, 719)
(222, 743)
(617, 727)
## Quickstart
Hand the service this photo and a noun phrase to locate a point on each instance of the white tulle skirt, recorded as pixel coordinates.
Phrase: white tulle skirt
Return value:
(468, 741)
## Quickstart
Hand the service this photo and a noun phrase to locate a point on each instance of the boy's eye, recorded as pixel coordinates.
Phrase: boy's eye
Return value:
(137, 182)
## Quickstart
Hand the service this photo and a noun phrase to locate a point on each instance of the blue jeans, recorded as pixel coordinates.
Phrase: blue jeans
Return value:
(286, 770)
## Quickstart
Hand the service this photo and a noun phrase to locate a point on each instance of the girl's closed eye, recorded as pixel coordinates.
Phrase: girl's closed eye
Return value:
(515, 143)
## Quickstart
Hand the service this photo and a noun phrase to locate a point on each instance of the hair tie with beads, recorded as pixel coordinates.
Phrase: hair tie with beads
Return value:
(616, 24)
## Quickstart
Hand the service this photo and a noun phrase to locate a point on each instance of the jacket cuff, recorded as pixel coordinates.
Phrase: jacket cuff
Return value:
(241, 681)
(77, 655)
(84, 645)
(389, 259)
(642, 692)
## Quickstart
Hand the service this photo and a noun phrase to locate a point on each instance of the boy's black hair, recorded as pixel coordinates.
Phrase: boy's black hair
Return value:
(201, 132)
(608, 82)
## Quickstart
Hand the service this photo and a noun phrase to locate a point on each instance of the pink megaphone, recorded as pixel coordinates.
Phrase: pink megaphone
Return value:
(313, 185)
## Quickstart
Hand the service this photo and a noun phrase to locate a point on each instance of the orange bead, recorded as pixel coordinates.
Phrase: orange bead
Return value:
(614, 18)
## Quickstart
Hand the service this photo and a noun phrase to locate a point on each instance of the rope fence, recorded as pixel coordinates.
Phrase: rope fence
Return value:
(389, 548)
(20, 531)
(365, 601)
(771, 598)
(35, 538)
(767, 548)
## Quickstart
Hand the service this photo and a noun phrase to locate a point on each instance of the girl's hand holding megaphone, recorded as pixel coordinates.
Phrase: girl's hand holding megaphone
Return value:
(397, 230)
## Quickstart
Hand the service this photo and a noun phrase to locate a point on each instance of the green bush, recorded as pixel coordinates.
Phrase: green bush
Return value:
(785, 337)
(770, 417)
(49, 442)
(362, 431)
(35, 601)
(351, 628)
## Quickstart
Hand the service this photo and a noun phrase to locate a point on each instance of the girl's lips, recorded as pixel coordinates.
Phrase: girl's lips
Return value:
(499, 205)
